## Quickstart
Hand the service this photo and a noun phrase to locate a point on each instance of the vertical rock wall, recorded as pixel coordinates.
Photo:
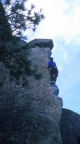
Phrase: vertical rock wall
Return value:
(40, 90)
(31, 115)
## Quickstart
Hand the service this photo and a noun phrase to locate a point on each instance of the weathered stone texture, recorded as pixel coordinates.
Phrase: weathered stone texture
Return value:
(40, 90)
(69, 126)
(31, 115)
(41, 43)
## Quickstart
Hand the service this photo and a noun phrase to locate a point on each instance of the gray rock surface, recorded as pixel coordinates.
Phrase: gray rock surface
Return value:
(69, 126)
(42, 43)
(28, 128)
(31, 115)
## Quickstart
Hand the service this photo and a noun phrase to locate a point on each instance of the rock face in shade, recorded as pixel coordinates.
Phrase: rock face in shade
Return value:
(70, 127)
(31, 115)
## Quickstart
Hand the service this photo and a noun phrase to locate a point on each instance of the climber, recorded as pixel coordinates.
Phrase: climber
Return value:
(55, 89)
(53, 69)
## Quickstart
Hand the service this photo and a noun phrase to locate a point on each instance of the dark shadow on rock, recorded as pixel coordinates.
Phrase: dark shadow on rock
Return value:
(69, 126)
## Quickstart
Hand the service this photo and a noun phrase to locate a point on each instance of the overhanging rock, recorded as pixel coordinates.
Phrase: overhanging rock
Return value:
(41, 43)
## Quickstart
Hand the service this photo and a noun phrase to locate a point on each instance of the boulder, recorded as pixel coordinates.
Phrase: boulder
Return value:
(70, 127)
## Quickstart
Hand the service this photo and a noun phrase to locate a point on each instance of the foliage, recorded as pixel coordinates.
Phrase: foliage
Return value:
(20, 18)
(14, 19)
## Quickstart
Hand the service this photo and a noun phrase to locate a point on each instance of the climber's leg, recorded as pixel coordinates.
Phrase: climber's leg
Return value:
(52, 75)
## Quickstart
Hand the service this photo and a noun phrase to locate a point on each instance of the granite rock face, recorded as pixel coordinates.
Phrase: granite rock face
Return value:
(70, 126)
(42, 43)
(31, 115)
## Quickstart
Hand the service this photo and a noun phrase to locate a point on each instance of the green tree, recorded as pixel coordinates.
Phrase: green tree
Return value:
(14, 19)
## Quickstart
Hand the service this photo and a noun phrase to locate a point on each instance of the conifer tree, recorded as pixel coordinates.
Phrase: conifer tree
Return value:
(14, 19)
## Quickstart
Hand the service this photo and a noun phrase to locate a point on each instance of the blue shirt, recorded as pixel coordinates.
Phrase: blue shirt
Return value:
(51, 63)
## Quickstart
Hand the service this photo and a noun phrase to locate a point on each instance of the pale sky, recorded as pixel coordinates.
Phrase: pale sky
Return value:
(62, 25)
